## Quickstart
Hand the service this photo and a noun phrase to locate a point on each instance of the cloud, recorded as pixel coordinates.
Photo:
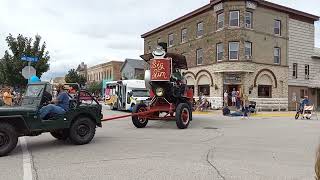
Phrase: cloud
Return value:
(99, 31)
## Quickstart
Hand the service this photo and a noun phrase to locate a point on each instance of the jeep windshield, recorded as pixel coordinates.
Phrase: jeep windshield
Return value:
(34, 90)
(140, 93)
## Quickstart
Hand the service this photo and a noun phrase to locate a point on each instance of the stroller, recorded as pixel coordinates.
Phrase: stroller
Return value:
(306, 112)
(252, 107)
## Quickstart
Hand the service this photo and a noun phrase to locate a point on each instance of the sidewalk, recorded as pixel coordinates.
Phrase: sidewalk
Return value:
(258, 114)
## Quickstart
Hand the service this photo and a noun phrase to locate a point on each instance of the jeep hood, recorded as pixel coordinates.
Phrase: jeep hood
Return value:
(16, 110)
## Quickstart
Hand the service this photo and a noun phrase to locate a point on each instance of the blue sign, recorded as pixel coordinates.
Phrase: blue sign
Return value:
(30, 59)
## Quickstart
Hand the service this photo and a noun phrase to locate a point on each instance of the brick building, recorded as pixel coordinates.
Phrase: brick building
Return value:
(109, 71)
(234, 44)
(82, 69)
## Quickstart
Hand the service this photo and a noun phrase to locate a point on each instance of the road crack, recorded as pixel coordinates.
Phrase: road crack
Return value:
(211, 151)
(211, 163)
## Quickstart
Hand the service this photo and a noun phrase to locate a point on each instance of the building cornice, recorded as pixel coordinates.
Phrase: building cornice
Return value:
(294, 13)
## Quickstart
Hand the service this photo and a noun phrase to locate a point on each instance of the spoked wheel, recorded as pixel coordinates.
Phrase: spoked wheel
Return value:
(82, 131)
(297, 115)
(8, 138)
(139, 121)
(183, 112)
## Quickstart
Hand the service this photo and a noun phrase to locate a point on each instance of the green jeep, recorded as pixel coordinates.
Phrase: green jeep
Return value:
(78, 124)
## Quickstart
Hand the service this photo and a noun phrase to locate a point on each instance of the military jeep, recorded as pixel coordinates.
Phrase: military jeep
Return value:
(78, 124)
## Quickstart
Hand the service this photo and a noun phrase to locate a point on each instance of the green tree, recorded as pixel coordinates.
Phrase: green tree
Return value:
(11, 63)
(74, 77)
(95, 87)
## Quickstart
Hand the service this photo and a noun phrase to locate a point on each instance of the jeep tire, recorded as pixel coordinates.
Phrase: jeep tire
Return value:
(60, 134)
(8, 138)
(183, 112)
(82, 131)
(136, 120)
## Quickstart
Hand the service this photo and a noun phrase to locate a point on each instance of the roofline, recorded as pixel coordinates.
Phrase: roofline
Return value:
(213, 2)
(288, 9)
(178, 20)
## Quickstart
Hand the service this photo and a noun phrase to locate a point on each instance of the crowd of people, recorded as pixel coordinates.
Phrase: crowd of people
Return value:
(10, 97)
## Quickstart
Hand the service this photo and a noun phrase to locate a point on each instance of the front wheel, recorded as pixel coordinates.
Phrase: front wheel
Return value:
(297, 115)
(183, 116)
(82, 131)
(137, 121)
(8, 138)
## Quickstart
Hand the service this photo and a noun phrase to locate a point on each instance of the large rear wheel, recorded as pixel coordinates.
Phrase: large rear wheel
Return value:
(8, 138)
(183, 115)
(139, 121)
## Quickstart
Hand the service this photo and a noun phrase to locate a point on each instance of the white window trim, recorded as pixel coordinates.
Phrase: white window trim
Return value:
(230, 51)
(279, 55)
(249, 42)
(198, 29)
(217, 54)
(277, 20)
(186, 39)
(251, 20)
(170, 45)
(220, 28)
(197, 56)
(238, 18)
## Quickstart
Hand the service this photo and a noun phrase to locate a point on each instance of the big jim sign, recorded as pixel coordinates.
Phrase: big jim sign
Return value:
(160, 69)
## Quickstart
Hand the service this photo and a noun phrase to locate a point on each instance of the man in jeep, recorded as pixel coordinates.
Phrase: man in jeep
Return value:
(60, 106)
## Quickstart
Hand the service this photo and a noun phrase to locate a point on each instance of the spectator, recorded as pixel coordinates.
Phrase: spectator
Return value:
(225, 98)
(238, 100)
(7, 97)
(233, 97)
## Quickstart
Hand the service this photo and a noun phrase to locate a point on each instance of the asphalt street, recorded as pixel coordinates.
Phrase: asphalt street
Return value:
(213, 147)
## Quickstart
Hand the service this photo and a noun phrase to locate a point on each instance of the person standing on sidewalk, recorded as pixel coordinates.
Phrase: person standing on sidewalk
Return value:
(233, 97)
(225, 98)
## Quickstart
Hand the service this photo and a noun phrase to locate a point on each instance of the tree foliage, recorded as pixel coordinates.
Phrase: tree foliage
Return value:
(74, 77)
(11, 63)
(95, 87)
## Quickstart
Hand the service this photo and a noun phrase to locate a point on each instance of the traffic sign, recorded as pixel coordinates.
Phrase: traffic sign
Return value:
(28, 58)
(28, 71)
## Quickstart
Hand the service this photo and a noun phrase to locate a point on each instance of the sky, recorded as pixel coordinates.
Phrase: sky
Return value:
(98, 31)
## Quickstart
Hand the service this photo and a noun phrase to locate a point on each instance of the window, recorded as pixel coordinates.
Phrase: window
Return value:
(219, 52)
(306, 71)
(276, 54)
(277, 27)
(234, 19)
(264, 91)
(220, 21)
(183, 35)
(170, 40)
(204, 89)
(149, 46)
(247, 50)
(295, 70)
(233, 50)
(248, 19)
(199, 56)
(200, 29)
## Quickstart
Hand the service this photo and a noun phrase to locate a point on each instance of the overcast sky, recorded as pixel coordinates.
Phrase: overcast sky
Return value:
(96, 31)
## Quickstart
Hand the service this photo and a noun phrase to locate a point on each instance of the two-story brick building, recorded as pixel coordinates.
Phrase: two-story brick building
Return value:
(234, 44)
(109, 71)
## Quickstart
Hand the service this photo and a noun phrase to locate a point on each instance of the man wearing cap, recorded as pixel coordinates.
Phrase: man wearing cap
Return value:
(60, 106)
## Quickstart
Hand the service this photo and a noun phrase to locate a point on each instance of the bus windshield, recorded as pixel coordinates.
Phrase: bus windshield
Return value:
(140, 93)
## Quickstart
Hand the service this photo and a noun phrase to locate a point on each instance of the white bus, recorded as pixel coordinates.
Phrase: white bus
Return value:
(124, 94)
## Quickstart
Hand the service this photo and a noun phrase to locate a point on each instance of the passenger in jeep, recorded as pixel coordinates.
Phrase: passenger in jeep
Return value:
(60, 106)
